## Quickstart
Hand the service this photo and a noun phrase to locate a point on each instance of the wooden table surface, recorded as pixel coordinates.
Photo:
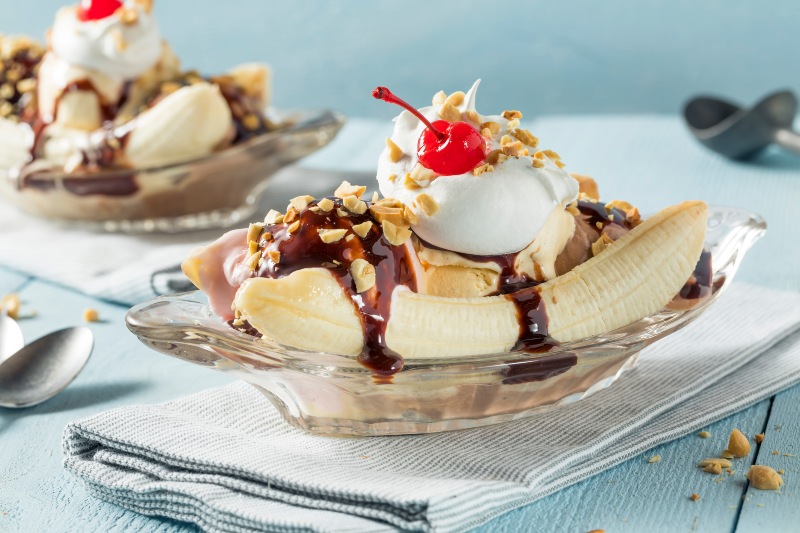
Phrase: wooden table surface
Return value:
(37, 495)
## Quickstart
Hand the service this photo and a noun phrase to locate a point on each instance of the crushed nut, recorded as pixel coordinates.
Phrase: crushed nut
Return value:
(704, 434)
(362, 229)
(129, 16)
(329, 236)
(449, 112)
(526, 137)
(409, 183)
(513, 149)
(394, 234)
(386, 213)
(601, 244)
(713, 468)
(506, 139)
(694, 497)
(473, 116)
(422, 176)
(341, 212)
(91, 315)
(27, 85)
(274, 256)
(363, 274)
(252, 247)
(655, 459)
(345, 189)
(11, 305)
(510, 115)
(300, 202)
(764, 478)
(738, 443)
(551, 154)
(439, 98)
(254, 232)
(290, 216)
(294, 226)
(392, 177)
(326, 204)
(486, 167)
(409, 216)
(273, 217)
(456, 99)
(537, 163)
(512, 124)
(724, 463)
(727, 454)
(375, 197)
(349, 238)
(394, 154)
(251, 122)
(252, 260)
(427, 204)
(760, 438)
(493, 127)
(354, 205)
(587, 186)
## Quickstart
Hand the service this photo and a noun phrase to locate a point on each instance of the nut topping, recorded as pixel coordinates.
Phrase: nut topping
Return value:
(439, 98)
(526, 137)
(363, 274)
(449, 112)
(764, 478)
(329, 236)
(455, 99)
(394, 234)
(326, 204)
(427, 204)
(738, 444)
(363, 229)
(395, 153)
(511, 115)
(354, 205)
(273, 217)
(345, 189)
(254, 232)
(300, 202)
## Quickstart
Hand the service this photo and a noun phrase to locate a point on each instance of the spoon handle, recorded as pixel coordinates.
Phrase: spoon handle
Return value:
(788, 139)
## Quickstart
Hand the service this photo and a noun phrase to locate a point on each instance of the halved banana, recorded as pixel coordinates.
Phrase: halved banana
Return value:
(635, 276)
(188, 123)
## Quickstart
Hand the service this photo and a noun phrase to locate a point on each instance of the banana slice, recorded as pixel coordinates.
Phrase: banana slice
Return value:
(188, 123)
(635, 276)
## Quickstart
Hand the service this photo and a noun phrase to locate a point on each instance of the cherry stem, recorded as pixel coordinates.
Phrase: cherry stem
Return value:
(383, 93)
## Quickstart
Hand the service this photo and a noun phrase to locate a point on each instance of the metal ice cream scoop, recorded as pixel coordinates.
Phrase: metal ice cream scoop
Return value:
(739, 133)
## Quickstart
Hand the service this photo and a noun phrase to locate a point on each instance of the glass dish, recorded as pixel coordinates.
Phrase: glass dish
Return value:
(333, 394)
(214, 191)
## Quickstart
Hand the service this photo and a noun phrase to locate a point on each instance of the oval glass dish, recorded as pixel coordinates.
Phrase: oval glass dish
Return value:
(213, 191)
(334, 395)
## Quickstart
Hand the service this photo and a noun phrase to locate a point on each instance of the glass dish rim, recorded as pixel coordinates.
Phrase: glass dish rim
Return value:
(220, 335)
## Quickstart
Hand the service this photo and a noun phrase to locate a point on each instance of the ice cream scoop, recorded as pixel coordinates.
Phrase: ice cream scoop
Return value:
(740, 133)
(496, 207)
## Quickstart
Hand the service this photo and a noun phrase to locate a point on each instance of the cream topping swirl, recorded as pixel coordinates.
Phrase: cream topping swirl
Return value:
(119, 46)
(495, 212)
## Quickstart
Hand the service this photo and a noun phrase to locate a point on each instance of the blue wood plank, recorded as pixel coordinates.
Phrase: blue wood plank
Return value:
(640, 496)
(10, 281)
(35, 492)
(777, 511)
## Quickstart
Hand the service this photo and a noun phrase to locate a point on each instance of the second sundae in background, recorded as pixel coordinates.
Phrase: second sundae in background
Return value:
(482, 244)
(109, 92)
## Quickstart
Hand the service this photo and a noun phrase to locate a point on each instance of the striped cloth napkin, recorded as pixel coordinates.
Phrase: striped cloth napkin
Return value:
(226, 461)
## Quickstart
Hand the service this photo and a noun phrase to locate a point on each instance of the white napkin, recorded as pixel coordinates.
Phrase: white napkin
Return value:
(226, 461)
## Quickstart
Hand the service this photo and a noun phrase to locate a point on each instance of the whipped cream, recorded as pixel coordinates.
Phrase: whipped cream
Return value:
(113, 46)
(492, 213)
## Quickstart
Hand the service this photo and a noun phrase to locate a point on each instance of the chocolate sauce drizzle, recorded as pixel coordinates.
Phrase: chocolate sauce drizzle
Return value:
(305, 249)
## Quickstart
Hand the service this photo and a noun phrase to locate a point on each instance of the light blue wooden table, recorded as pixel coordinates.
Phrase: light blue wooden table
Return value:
(647, 159)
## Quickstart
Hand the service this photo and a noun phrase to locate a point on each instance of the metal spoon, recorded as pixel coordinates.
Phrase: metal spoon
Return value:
(11, 339)
(739, 133)
(43, 368)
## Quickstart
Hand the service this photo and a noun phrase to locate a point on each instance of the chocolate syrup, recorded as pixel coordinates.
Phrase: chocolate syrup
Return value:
(305, 249)
(532, 318)
(701, 284)
(539, 369)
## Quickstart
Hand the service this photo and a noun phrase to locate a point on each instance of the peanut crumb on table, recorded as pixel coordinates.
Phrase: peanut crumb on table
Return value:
(704, 434)
(694, 497)
(654, 459)
(91, 315)
(759, 438)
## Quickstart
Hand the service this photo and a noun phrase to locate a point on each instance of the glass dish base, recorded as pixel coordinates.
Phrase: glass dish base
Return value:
(332, 394)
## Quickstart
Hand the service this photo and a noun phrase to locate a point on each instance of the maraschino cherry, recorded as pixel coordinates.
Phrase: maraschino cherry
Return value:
(98, 9)
(447, 148)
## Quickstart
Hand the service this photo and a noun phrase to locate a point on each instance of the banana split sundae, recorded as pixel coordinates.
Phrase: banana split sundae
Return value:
(480, 243)
(106, 97)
